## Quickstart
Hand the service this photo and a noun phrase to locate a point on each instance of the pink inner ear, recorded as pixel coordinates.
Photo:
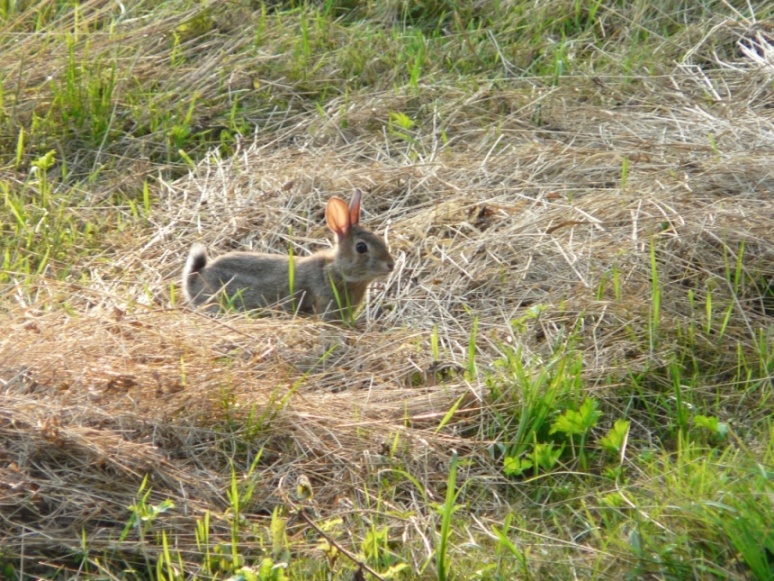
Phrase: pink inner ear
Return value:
(337, 216)
(354, 208)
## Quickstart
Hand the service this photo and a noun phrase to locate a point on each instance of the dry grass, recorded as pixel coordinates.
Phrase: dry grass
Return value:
(107, 379)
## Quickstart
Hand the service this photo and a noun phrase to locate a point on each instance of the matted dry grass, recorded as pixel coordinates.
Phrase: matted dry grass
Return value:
(505, 216)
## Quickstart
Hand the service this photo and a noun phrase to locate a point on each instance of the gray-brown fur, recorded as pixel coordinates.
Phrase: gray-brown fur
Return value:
(251, 280)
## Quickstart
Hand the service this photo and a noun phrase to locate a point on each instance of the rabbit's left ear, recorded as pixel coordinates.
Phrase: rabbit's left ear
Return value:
(354, 208)
(337, 215)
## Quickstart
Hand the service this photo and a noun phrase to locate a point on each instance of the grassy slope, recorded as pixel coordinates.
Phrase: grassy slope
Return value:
(579, 199)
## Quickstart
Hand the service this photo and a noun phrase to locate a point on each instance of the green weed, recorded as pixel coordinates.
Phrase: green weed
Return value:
(526, 397)
(578, 423)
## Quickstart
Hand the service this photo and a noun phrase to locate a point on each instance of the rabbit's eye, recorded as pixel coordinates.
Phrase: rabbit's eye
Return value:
(361, 247)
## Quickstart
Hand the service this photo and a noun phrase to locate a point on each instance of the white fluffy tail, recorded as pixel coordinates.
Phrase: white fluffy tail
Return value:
(197, 260)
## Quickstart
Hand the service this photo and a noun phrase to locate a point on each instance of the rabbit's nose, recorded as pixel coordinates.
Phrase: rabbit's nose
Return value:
(390, 266)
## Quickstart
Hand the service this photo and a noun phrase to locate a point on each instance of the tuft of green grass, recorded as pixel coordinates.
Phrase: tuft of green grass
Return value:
(447, 510)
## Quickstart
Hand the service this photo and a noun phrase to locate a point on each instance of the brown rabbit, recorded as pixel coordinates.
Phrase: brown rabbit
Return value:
(329, 282)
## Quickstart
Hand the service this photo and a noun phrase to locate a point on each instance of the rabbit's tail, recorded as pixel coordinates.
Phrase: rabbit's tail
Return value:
(197, 260)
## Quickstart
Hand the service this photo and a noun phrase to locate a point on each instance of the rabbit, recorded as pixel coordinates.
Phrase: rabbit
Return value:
(330, 283)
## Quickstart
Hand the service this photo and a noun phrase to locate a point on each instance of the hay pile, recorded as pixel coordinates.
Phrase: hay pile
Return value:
(531, 199)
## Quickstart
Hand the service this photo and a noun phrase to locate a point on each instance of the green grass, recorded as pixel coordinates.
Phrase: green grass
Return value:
(661, 469)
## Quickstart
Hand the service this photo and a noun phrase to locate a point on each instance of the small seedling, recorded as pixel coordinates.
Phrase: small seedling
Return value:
(144, 514)
(578, 423)
(545, 456)
(717, 430)
(516, 466)
(615, 439)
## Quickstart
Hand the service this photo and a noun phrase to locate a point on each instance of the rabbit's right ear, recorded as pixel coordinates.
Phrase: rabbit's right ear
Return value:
(337, 216)
(354, 208)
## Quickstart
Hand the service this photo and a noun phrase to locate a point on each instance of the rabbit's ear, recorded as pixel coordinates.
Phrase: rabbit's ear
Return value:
(337, 216)
(354, 208)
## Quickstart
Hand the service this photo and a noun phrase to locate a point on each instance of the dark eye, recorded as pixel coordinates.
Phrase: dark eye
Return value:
(361, 247)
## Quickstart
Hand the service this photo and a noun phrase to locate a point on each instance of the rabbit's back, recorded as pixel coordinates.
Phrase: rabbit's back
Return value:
(246, 279)
(249, 280)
